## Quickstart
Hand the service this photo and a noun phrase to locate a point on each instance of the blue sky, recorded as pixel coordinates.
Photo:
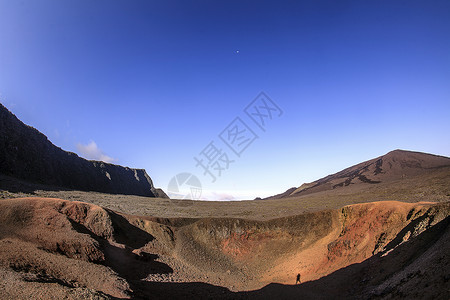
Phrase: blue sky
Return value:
(150, 84)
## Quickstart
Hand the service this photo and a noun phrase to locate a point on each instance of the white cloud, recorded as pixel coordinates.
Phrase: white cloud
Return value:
(92, 151)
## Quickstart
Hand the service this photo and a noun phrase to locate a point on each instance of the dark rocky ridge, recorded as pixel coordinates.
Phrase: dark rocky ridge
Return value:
(27, 154)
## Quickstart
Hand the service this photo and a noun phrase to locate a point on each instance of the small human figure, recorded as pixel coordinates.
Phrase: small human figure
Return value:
(298, 279)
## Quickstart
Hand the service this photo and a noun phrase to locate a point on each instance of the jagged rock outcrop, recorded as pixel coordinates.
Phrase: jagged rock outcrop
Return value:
(27, 154)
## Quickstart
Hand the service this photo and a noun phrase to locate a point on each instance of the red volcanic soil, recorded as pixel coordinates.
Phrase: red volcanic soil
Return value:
(362, 230)
(313, 244)
(82, 250)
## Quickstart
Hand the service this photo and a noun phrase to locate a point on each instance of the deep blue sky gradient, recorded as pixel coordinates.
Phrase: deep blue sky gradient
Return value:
(153, 82)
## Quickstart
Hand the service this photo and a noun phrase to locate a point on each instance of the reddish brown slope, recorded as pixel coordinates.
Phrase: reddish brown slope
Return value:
(314, 244)
(415, 269)
(390, 167)
(64, 242)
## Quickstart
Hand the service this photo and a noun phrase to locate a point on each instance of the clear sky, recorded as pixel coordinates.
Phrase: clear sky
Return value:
(149, 84)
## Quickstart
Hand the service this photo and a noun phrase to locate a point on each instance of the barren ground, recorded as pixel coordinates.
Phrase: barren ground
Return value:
(80, 250)
(434, 187)
(389, 240)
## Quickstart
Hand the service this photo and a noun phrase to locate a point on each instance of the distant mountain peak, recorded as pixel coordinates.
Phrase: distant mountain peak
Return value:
(394, 165)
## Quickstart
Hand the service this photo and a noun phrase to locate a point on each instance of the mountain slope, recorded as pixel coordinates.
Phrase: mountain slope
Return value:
(395, 165)
(27, 154)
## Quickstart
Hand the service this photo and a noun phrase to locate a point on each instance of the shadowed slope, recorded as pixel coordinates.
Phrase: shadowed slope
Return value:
(74, 244)
(414, 269)
(253, 253)
(27, 154)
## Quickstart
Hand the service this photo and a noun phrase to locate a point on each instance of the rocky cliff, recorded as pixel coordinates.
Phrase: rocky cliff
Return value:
(27, 154)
